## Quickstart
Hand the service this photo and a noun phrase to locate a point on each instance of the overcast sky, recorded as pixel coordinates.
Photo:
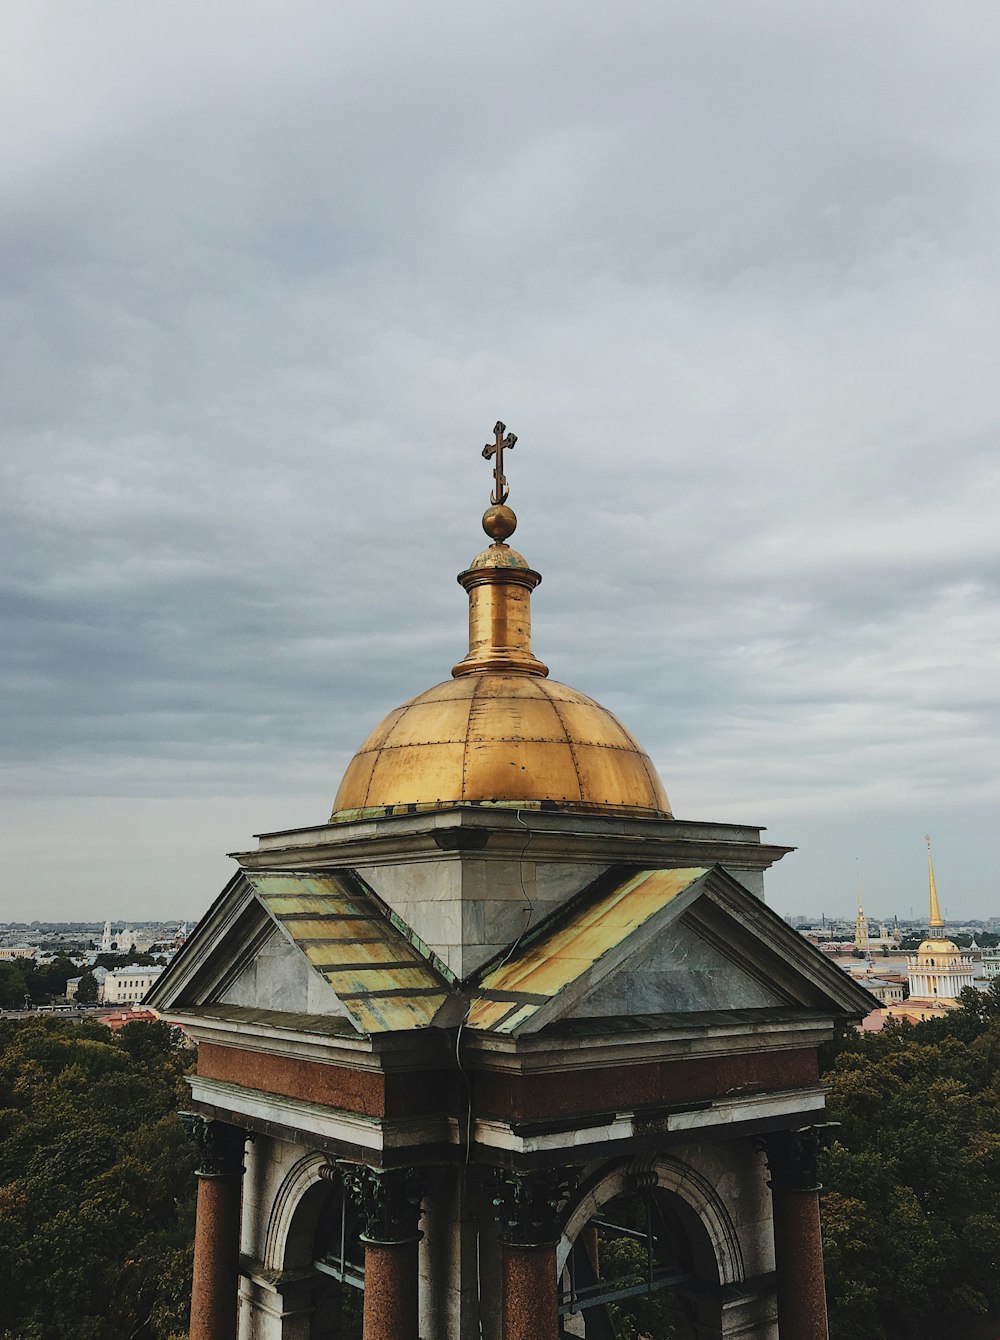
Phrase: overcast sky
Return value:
(270, 273)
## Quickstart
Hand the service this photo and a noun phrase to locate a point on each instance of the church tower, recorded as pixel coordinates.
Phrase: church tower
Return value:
(861, 940)
(939, 970)
(504, 1046)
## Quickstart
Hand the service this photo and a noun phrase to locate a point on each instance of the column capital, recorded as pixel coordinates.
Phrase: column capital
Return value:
(792, 1158)
(389, 1199)
(219, 1145)
(528, 1205)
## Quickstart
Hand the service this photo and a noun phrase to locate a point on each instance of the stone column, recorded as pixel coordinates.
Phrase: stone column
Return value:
(215, 1286)
(798, 1244)
(389, 1199)
(528, 1208)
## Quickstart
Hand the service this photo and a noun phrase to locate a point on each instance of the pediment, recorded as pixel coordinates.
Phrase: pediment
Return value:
(633, 943)
(306, 943)
(279, 978)
(678, 972)
(659, 942)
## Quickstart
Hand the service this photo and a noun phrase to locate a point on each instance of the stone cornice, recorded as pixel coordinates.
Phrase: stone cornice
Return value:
(721, 1117)
(599, 1043)
(589, 1043)
(330, 1127)
(497, 834)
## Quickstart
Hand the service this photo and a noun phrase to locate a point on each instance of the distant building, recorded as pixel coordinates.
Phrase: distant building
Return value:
(888, 991)
(914, 1011)
(73, 985)
(117, 942)
(990, 960)
(117, 1021)
(127, 986)
(938, 972)
(861, 927)
(11, 952)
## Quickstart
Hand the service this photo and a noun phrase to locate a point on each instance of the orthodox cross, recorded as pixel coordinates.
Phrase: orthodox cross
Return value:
(500, 490)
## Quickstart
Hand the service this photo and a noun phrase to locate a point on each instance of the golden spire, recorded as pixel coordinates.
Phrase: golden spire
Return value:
(499, 583)
(935, 919)
(860, 924)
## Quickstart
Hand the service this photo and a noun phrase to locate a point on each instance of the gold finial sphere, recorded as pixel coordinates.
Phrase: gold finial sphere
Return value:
(499, 523)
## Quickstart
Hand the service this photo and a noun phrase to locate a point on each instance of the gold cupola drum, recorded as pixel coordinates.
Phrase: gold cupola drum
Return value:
(500, 732)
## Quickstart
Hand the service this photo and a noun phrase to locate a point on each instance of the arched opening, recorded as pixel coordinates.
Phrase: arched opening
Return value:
(645, 1256)
(315, 1250)
(630, 1271)
(338, 1258)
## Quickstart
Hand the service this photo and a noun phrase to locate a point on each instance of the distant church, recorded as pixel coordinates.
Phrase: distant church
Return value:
(117, 942)
(939, 971)
(503, 1046)
(937, 974)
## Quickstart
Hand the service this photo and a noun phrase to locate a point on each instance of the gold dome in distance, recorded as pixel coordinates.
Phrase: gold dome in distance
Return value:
(499, 732)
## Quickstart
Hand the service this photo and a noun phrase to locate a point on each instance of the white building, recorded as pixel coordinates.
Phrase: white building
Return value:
(888, 992)
(991, 963)
(73, 985)
(127, 986)
(117, 942)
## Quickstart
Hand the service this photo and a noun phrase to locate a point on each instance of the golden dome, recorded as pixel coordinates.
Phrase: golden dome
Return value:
(940, 947)
(499, 732)
(504, 738)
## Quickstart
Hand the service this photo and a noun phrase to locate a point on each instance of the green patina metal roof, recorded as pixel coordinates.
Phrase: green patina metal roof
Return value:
(387, 979)
(560, 951)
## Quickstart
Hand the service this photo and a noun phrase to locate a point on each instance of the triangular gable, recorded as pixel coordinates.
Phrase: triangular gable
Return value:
(304, 942)
(280, 978)
(385, 979)
(692, 976)
(217, 950)
(659, 941)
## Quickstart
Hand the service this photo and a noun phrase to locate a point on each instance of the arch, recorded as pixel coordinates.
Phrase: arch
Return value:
(672, 1175)
(291, 1226)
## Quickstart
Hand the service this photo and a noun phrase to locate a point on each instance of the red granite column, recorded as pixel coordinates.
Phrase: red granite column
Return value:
(390, 1291)
(390, 1202)
(215, 1285)
(798, 1243)
(530, 1301)
(528, 1207)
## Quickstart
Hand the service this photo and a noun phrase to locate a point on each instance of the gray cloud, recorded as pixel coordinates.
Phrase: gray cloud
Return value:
(265, 283)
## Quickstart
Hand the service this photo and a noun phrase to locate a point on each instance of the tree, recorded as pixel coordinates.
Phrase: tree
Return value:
(13, 984)
(86, 991)
(133, 959)
(912, 1238)
(49, 979)
(96, 1185)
